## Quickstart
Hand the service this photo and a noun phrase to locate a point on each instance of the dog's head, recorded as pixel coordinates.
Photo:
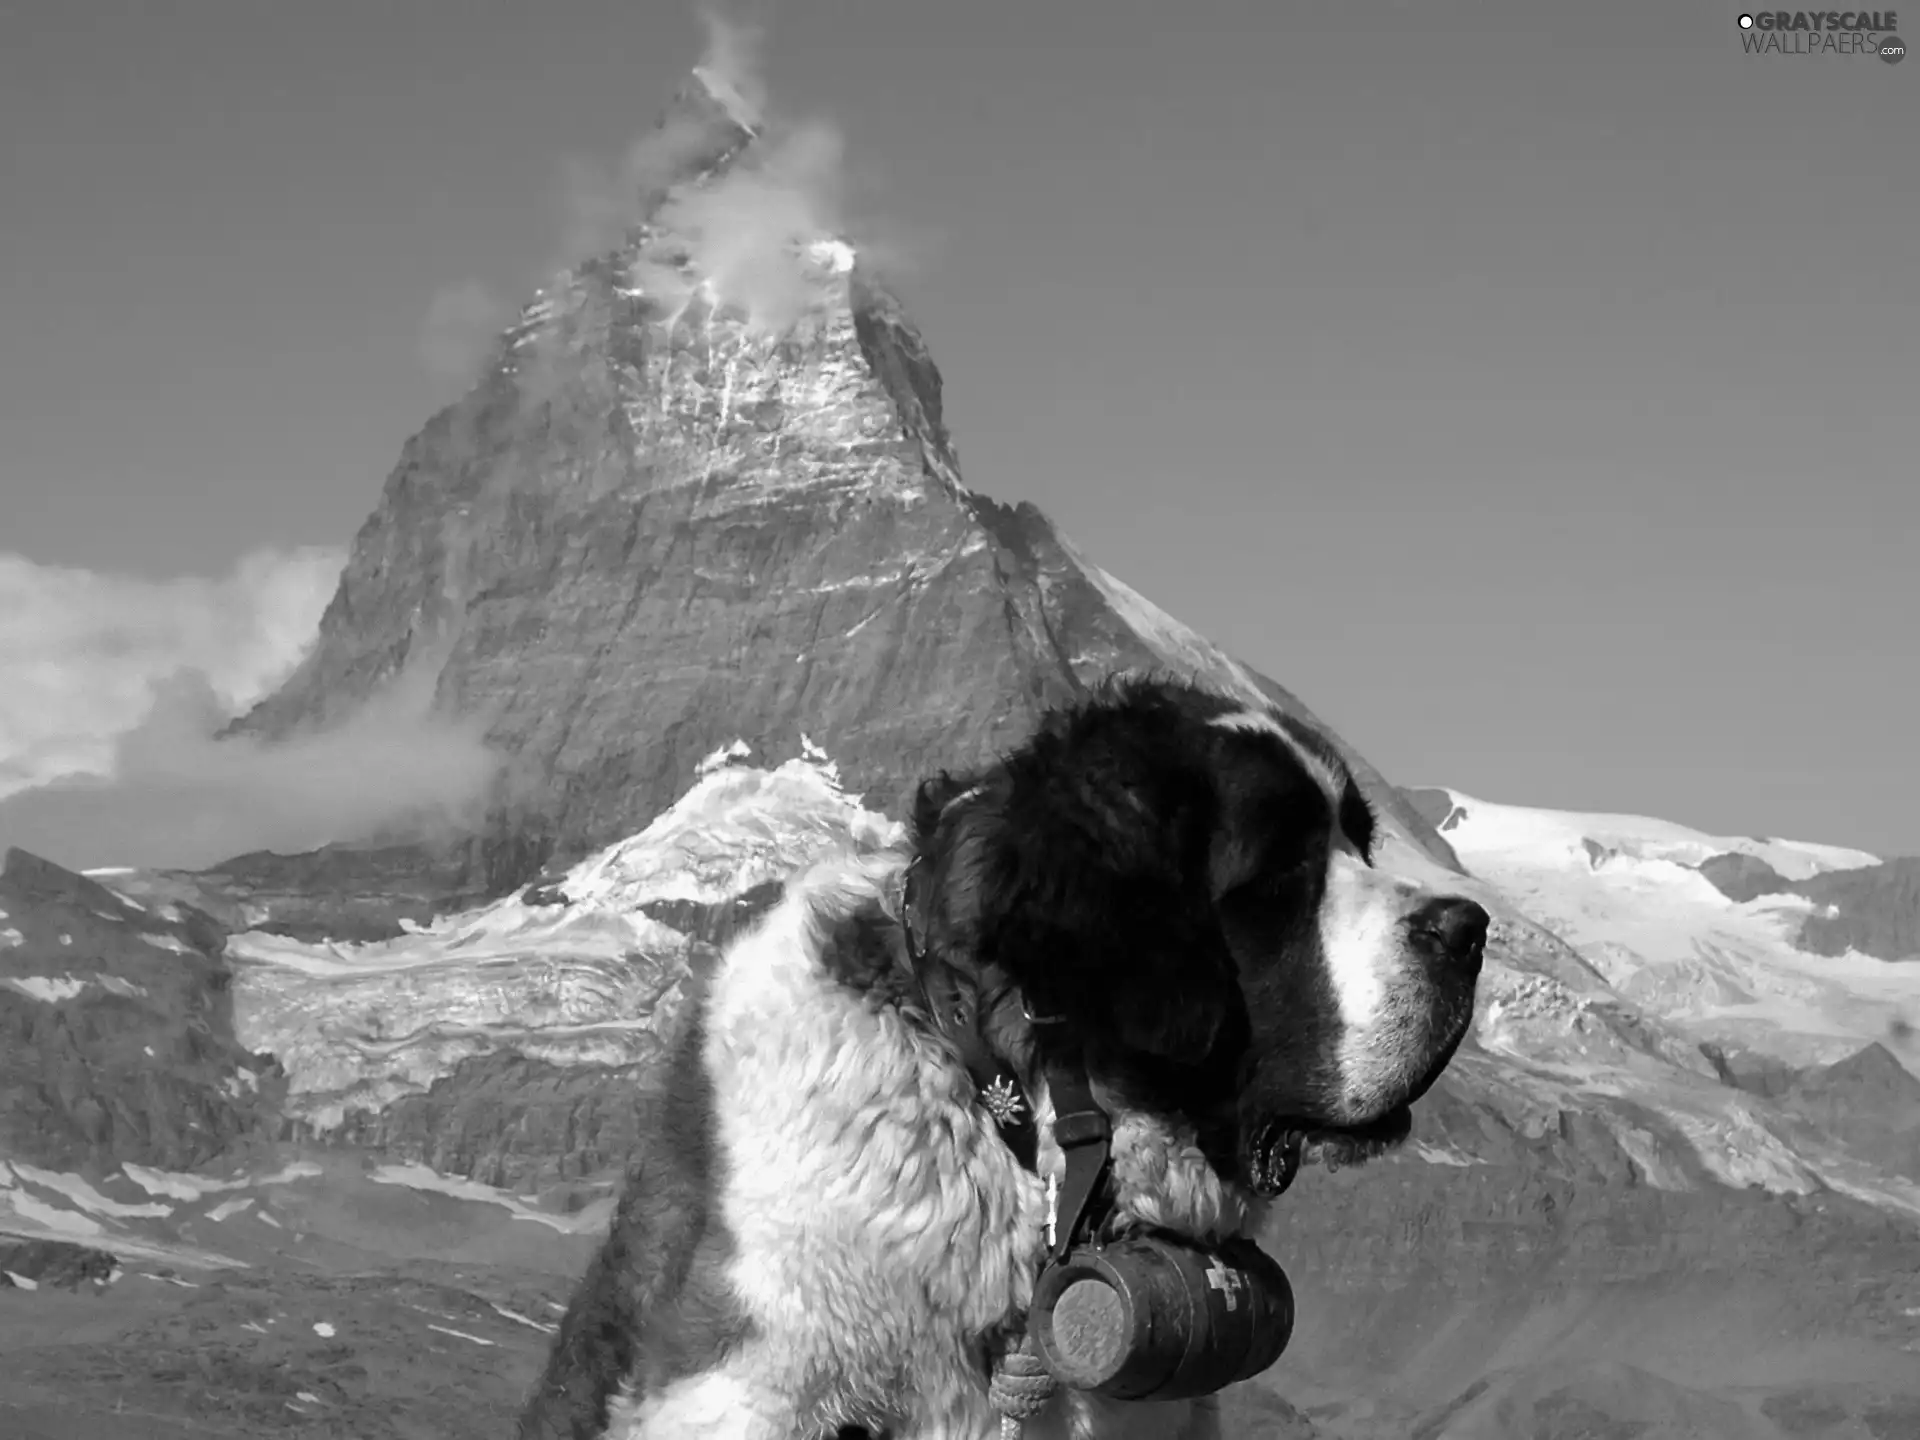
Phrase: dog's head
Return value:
(1189, 884)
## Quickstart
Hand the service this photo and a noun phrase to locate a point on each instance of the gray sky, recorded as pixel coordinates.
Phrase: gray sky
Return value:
(1528, 386)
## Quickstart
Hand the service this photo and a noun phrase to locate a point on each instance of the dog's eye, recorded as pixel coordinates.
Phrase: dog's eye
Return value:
(1295, 864)
(1284, 868)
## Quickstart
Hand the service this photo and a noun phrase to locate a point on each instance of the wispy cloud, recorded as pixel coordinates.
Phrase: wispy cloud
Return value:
(119, 686)
(601, 200)
(734, 62)
(745, 233)
(82, 650)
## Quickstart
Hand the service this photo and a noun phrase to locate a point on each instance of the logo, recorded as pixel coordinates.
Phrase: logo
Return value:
(1227, 1282)
(1003, 1101)
(1823, 32)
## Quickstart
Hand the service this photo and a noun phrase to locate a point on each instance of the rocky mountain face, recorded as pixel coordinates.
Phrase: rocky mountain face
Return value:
(116, 1030)
(1874, 910)
(1855, 903)
(656, 526)
(1768, 953)
(345, 1126)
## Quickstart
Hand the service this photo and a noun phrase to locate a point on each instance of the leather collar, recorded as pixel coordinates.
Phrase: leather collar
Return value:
(1080, 1127)
(955, 1009)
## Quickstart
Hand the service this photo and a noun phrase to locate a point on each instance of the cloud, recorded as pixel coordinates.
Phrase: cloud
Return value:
(462, 324)
(734, 62)
(601, 201)
(746, 232)
(181, 798)
(122, 685)
(81, 650)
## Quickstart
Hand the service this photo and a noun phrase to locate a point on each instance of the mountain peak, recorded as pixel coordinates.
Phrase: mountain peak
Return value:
(702, 130)
(725, 92)
(706, 493)
(1873, 1069)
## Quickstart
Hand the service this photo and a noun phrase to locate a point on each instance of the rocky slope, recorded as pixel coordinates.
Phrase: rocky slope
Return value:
(1872, 909)
(657, 525)
(116, 1029)
(1737, 942)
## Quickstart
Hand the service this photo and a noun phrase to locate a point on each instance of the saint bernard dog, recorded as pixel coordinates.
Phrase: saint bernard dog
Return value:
(824, 1231)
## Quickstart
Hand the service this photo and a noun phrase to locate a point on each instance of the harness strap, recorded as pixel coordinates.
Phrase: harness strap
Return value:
(956, 1011)
(1020, 1385)
(1085, 1135)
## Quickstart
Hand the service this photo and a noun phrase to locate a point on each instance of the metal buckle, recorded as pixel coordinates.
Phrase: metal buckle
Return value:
(1026, 1009)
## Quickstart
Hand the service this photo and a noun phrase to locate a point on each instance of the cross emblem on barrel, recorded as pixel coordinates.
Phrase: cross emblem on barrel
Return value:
(1227, 1282)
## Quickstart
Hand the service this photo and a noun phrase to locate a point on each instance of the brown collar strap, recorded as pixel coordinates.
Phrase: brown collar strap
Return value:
(1080, 1127)
(954, 1007)
(1085, 1136)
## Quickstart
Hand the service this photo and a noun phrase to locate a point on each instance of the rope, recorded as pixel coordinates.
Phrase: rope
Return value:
(1020, 1387)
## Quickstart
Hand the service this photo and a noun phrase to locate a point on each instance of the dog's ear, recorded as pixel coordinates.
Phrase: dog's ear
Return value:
(1099, 902)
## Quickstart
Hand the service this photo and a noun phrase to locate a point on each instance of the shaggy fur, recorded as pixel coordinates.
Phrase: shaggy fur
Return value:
(827, 1234)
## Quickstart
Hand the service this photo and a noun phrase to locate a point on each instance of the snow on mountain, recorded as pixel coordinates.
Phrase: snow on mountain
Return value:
(1626, 892)
(572, 972)
(588, 1219)
(737, 828)
(44, 1205)
(727, 93)
(1492, 829)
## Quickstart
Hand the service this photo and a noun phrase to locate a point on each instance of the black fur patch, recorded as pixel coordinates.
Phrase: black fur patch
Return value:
(653, 1306)
(1082, 869)
(1154, 879)
(867, 951)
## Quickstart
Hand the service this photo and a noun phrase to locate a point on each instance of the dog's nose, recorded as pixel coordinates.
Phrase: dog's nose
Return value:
(1459, 931)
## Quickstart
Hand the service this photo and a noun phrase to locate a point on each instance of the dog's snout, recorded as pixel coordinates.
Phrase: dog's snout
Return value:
(1458, 929)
